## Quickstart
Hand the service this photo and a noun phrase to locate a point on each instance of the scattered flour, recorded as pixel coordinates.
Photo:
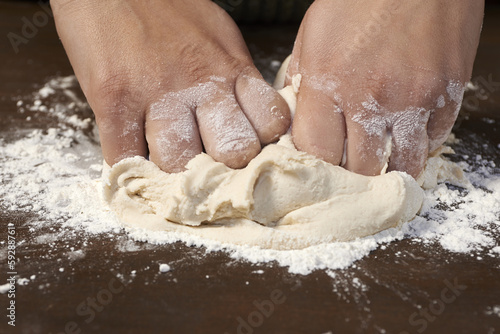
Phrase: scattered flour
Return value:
(164, 268)
(494, 310)
(4, 288)
(54, 175)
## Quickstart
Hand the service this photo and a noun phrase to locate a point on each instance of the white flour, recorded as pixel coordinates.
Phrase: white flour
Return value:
(54, 175)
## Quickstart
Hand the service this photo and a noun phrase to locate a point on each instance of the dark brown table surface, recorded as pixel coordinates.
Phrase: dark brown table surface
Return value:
(206, 293)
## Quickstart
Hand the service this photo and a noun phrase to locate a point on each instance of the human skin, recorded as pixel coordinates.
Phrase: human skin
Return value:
(167, 79)
(382, 81)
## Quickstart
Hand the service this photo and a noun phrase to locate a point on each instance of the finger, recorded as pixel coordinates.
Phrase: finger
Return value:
(409, 141)
(172, 135)
(444, 115)
(293, 65)
(279, 80)
(263, 106)
(227, 135)
(368, 145)
(121, 134)
(319, 126)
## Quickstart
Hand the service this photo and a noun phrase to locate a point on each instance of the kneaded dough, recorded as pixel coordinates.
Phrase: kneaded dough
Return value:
(283, 199)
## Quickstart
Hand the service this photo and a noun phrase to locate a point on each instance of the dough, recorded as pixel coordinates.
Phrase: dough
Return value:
(283, 199)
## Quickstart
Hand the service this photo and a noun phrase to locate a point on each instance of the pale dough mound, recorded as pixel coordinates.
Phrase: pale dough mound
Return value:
(284, 199)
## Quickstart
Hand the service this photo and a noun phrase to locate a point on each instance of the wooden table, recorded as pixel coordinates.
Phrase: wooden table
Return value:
(211, 293)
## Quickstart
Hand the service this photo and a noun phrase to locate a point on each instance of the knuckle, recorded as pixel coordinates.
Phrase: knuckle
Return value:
(113, 94)
(193, 62)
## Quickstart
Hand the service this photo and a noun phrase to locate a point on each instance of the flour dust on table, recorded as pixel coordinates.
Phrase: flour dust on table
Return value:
(53, 174)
